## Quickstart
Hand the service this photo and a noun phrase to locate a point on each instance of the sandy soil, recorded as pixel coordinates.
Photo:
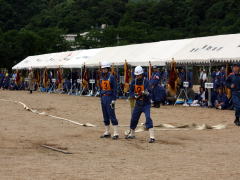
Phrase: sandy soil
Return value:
(192, 154)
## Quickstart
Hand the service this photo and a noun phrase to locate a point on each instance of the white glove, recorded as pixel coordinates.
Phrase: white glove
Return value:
(113, 104)
(145, 93)
(137, 96)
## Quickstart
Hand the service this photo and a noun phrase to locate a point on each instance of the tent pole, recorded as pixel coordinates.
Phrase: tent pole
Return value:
(79, 84)
(186, 68)
(92, 80)
(81, 80)
(71, 80)
(118, 79)
(209, 90)
(187, 81)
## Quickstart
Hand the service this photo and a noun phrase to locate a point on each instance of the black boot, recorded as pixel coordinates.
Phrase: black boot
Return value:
(106, 136)
(151, 140)
(157, 105)
(237, 122)
(154, 104)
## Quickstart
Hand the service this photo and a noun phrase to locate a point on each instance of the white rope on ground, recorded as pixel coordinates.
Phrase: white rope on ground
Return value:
(160, 127)
(164, 127)
(49, 115)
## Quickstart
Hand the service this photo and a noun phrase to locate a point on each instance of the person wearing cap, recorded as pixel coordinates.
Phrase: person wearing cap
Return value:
(155, 85)
(108, 94)
(30, 80)
(222, 101)
(233, 82)
(141, 91)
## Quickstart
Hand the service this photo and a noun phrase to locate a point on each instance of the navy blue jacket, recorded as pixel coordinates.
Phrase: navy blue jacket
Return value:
(155, 80)
(235, 80)
(113, 84)
(222, 98)
(147, 99)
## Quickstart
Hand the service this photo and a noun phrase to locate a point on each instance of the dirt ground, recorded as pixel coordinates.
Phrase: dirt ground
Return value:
(184, 154)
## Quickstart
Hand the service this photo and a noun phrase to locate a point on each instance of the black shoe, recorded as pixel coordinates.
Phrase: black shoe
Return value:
(115, 137)
(157, 106)
(105, 136)
(151, 140)
(237, 122)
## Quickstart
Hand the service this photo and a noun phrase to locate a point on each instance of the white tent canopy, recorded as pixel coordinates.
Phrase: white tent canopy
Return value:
(53, 60)
(24, 63)
(222, 48)
(31, 62)
(81, 57)
(158, 53)
(140, 54)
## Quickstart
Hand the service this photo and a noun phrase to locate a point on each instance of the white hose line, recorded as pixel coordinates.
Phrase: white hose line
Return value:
(49, 115)
(160, 127)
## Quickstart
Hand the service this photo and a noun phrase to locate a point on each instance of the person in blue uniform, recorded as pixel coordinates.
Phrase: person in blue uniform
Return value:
(164, 76)
(141, 91)
(222, 101)
(1, 79)
(155, 85)
(223, 77)
(108, 94)
(182, 76)
(6, 81)
(217, 79)
(190, 78)
(233, 82)
(163, 95)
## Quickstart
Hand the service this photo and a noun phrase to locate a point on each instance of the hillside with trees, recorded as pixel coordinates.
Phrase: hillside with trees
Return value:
(30, 27)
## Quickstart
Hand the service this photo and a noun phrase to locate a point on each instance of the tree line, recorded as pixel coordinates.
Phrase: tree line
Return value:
(31, 27)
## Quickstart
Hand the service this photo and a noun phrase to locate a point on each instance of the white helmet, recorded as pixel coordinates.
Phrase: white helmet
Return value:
(138, 70)
(105, 65)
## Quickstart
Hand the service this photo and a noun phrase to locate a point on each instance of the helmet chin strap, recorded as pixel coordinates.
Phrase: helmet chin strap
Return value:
(140, 77)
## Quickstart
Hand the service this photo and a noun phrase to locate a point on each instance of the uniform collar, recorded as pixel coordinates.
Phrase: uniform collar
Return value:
(107, 75)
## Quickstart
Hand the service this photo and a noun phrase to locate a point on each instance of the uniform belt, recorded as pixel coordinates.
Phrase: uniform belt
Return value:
(106, 94)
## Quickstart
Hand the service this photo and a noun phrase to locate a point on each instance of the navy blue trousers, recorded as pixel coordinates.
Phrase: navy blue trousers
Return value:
(156, 94)
(236, 103)
(108, 112)
(137, 111)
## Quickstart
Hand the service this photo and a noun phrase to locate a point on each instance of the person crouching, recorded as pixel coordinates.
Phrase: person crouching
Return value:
(108, 94)
(141, 91)
(222, 101)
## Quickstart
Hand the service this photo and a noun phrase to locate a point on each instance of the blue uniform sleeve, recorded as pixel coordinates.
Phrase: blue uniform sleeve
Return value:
(229, 81)
(225, 99)
(155, 79)
(113, 86)
(148, 88)
(131, 91)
